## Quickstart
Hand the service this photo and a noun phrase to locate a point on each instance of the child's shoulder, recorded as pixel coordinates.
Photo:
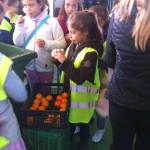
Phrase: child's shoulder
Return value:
(53, 21)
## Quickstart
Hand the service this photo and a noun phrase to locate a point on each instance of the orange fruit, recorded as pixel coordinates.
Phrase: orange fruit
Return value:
(36, 101)
(58, 97)
(45, 103)
(35, 106)
(43, 99)
(57, 103)
(65, 95)
(41, 108)
(63, 105)
(38, 96)
(49, 97)
(62, 109)
(64, 100)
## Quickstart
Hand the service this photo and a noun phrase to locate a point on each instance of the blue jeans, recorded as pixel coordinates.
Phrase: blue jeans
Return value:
(100, 122)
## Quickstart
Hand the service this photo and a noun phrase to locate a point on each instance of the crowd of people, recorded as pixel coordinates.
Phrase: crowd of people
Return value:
(97, 55)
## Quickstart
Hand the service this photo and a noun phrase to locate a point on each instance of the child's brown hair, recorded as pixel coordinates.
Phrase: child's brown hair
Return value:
(86, 21)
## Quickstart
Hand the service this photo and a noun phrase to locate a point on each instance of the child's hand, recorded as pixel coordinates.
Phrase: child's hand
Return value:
(59, 54)
(20, 19)
(40, 43)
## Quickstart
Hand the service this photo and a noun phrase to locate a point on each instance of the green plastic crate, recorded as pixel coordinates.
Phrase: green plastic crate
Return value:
(49, 140)
(19, 56)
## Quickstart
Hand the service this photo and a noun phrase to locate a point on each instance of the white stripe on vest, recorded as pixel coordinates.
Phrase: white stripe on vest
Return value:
(82, 104)
(84, 89)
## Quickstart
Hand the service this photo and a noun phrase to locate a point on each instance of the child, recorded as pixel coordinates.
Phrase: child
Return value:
(103, 20)
(9, 85)
(12, 11)
(68, 7)
(7, 25)
(48, 36)
(80, 74)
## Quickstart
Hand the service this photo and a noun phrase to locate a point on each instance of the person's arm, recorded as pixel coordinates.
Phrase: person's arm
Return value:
(58, 41)
(19, 32)
(15, 88)
(110, 55)
(86, 71)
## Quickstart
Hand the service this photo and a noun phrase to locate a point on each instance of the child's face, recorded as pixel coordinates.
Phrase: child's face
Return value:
(71, 6)
(102, 23)
(14, 8)
(32, 8)
(76, 36)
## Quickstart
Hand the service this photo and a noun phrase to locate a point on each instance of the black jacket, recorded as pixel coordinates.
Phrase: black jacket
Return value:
(130, 84)
(86, 71)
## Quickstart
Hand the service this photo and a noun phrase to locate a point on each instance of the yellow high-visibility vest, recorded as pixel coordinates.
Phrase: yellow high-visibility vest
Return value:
(83, 97)
(5, 25)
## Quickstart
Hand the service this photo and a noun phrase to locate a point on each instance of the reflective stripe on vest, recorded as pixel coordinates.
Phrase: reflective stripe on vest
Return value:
(4, 68)
(82, 104)
(5, 25)
(84, 89)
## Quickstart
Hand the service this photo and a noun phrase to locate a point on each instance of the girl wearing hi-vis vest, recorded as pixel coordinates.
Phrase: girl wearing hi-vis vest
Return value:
(9, 85)
(39, 32)
(80, 73)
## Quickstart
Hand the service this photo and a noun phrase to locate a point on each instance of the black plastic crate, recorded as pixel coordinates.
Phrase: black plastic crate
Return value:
(44, 119)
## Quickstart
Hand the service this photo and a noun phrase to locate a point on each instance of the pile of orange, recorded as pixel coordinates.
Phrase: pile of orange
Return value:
(40, 102)
(61, 101)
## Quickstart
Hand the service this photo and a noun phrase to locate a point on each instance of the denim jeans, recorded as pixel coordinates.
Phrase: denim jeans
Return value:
(100, 122)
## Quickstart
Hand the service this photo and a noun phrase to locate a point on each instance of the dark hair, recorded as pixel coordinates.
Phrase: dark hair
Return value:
(11, 2)
(101, 12)
(86, 21)
(62, 12)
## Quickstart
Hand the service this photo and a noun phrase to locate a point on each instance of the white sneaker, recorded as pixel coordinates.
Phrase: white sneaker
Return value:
(98, 136)
(77, 130)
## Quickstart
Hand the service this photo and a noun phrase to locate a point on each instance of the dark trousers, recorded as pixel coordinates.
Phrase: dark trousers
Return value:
(84, 130)
(131, 128)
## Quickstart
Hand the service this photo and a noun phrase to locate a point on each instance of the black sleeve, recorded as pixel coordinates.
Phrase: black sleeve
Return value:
(110, 55)
(86, 71)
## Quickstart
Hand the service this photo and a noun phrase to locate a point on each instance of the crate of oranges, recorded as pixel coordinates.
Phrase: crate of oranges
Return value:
(46, 107)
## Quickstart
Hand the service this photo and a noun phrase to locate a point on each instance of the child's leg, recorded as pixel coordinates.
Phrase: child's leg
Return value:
(100, 122)
(84, 136)
(101, 128)
(72, 129)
